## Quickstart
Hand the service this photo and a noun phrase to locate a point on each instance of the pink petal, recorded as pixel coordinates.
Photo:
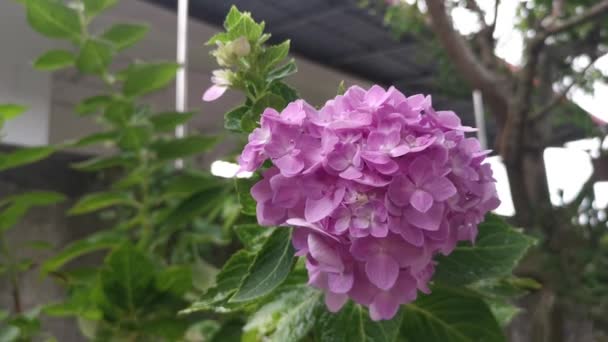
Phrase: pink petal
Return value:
(214, 92)
(441, 188)
(429, 220)
(382, 270)
(324, 254)
(383, 307)
(421, 200)
(334, 301)
(340, 283)
(318, 209)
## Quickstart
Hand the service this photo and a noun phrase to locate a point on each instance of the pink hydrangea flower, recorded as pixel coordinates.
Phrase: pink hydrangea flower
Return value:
(375, 185)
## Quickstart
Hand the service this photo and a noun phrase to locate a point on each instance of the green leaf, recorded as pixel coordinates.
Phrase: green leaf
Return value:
(243, 190)
(9, 334)
(128, 278)
(232, 119)
(246, 27)
(134, 137)
(503, 311)
(95, 56)
(95, 138)
(18, 205)
(191, 182)
(270, 267)
(193, 206)
(122, 36)
(274, 54)
(119, 112)
(450, 314)
(146, 78)
(100, 200)
(176, 279)
(185, 147)
(23, 156)
(283, 90)
(10, 111)
(92, 243)
(227, 283)
(352, 323)
(496, 252)
(94, 7)
(167, 121)
(232, 18)
(55, 60)
(289, 317)
(100, 163)
(280, 73)
(53, 19)
(93, 104)
(269, 100)
(252, 236)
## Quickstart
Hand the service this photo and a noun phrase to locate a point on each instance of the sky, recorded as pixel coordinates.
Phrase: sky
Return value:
(568, 168)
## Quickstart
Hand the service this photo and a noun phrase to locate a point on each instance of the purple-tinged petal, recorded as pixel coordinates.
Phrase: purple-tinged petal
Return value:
(383, 307)
(421, 200)
(323, 253)
(382, 270)
(335, 301)
(429, 220)
(340, 282)
(214, 92)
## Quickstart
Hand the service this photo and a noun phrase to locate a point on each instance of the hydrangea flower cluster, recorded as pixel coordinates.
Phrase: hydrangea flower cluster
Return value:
(375, 184)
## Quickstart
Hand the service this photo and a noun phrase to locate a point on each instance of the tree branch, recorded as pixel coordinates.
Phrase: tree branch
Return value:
(460, 52)
(496, 5)
(591, 13)
(474, 6)
(557, 99)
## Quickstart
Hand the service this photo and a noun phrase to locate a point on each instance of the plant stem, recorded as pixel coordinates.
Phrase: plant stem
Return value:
(12, 274)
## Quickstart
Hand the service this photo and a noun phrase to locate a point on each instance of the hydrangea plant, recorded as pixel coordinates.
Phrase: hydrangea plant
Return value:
(376, 184)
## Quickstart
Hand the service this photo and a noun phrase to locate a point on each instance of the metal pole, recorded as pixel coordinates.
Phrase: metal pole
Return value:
(480, 121)
(181, 87)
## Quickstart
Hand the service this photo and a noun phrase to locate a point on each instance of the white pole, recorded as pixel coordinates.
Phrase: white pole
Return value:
(181, 87)
(480, 121)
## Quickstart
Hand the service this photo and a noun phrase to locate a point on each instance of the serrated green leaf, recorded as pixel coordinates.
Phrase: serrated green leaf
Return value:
(167, 121)
(100, 163)
(243, 190)
(93, 104)
(95, 138)
(271, 266)
(182, 148)
(232, 119)
(287, 318)
(119, 112)
(95, 56)
(227, 282)
(252, 236)
(274, 54)
(193, 206)
(128, 278)
(449, 314)
(282, 72)
(24, 156)
(146, 78)
(232, 18)
(176, 279)
(18, 205)
(122, 36)
(352, 323)
(53, 19)
(283, 90)
(246, 27)
(133, 137)
(100, 200)
(55, 60)
(496, 252)
(92, 243)
(94, 7)
(10, 111)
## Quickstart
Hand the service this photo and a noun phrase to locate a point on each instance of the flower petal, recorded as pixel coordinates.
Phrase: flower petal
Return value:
(382, 270)
(214, 92)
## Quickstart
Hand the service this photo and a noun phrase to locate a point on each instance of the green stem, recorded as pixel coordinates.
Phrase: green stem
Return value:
(13, 275)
